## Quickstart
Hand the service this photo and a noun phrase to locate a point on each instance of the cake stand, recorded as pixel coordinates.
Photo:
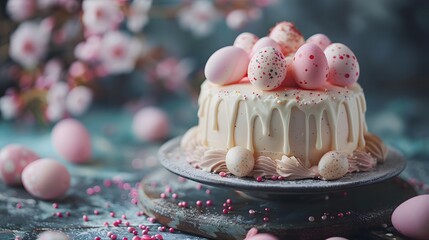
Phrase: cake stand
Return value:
(359, 203)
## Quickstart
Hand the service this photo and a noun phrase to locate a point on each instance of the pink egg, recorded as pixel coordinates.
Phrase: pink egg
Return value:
(262, 236)
(343, 65)
(53, 235)
(151, 124)
(289, 80)
(264, 42)
(72, 141)
(320, 40)
(267, 69)
(13, 159)
(46, 179)
(310, 67)
(411, 218)
(287, 36)
(246, 41)
(227, 65)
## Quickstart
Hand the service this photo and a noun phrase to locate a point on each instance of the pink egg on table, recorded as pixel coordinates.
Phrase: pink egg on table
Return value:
(287, 36)
(227, 65)
(267, 69)
(53, 235)
(46, 179)
(320, 40)
(151, 124)
(246, 41)
(13, 159)
(264, 42)
(343, 65)
(72, 141)
(310, 67)
(411, 218)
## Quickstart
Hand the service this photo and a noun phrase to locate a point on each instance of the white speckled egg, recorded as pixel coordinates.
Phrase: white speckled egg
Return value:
(227, 65)
(246, 41)
(287, 36)
(53, 235)
(267, 69)
(411, 218)
(320, 40)
(239, 161)
(264, 42)
(310, 67)
(13, 159)
(333, 165)
(343, 65)
(46, 179)
(72, 141)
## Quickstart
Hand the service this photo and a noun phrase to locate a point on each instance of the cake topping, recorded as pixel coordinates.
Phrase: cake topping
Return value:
(343, 65)
(213, 161)
(246, 41)
(287, 36)
(375, 146)
(264, 42)
(264, 166)
(267, 69)
(361, 161)
(333, 165)
(310, 67)
(292, 168)
(239, 161)
(227, 65)
(320, 40)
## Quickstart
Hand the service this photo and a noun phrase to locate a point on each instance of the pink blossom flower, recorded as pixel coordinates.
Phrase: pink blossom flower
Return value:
(119, 52)
(138, 15)
(78, 100)
(20, 10)
(9, 106)
(89, 50)
(55, 111)
(174, 72)
(100, 16)
(51, 74)
(237, 19)
(28, 44)
(57, 93)
(199, 18)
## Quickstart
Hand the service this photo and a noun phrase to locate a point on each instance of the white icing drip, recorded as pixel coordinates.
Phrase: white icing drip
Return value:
(292, 168)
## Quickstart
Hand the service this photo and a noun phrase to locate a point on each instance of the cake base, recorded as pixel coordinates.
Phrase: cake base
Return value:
(173, 158)
(359, 211)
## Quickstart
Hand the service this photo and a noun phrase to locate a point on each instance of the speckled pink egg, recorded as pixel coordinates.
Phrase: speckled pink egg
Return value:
(333, 165)
(343, 65)
(239, 161)
(310, 67)
(46, 179)
(13, 159)
(72, 141)
(267, 69)
(246, 41)
(287, 36)
(264, 42)
(53, 235)
(151, 124)
(227, 65)
(320, 40)
(411, 218)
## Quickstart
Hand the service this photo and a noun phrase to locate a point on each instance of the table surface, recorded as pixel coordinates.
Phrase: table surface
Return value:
(120, 159)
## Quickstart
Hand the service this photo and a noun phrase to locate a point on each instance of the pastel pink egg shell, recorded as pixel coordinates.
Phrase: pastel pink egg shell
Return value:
(227, 65)
(13, 159)
(411, 218)
(151, 124)
(264, 42)
(246, 41)
(320, 40)
(287, 36)
(72, 141)
(310, 67)
(343, 65)
(46, 179)
(289, 80)
(267, 69)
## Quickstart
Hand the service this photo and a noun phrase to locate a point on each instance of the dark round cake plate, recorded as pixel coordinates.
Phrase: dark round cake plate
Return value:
(307, 209)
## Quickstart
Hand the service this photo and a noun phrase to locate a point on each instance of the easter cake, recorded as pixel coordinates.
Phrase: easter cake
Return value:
(281, 107)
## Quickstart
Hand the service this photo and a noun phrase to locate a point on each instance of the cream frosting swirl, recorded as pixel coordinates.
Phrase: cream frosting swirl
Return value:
(264, 166)
(375, 146)
(213, 161)
(361, 161)
(292, 168)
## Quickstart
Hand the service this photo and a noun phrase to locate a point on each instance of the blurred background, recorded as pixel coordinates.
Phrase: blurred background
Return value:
(96, 59)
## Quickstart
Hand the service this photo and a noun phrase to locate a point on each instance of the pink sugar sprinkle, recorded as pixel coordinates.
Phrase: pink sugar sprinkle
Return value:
(97, 189)
(112, 214)
(55, 205)
(59, 214)
(159, 236)
(90, 191)
(259, 179)
(163, 195)
(135, 232)
(146, 237)
(97, 238)
(145, 231)
(222, 174)
(171, 230)
(85, 218)
(168, 189)
(175, 196)
(208, 191)
(131, 229)
(68, 214)
(209, 202)
(134, 201)
(113, 237)
(19, 205)
(127, 224)
(107, 183)
(199, 186)
(109, 234)
(136, 238)
(199, 203)
(124, 216)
